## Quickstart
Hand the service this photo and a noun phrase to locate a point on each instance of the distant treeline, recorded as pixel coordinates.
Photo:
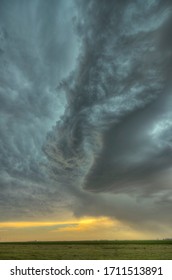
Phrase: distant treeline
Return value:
(92, 242)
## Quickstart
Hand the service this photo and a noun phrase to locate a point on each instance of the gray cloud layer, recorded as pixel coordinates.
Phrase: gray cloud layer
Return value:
(111, 144)
(115, 135)
(116, 129)
(34, 57)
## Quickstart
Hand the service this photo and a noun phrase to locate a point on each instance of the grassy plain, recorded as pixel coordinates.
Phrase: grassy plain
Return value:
(87, 250)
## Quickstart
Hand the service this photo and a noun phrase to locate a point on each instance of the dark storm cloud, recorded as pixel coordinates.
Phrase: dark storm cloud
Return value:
(34, 57)
(116, 129)
(115, 134)
(110, 150)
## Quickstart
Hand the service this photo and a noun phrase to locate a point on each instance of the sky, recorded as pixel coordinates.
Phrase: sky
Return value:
(85, 119)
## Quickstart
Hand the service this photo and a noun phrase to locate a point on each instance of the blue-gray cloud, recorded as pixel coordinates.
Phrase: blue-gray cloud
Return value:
(34, 57)
(118, 97)
(85, 99)
(115, 134)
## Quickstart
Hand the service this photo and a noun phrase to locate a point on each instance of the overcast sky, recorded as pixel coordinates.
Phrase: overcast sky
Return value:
(86, 118)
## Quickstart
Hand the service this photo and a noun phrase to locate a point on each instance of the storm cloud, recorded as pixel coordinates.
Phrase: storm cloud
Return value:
(34, 57)
(115, 132)
(115, 135)
(85, 98)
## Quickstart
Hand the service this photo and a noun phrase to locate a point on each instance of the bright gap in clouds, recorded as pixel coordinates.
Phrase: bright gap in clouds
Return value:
(87, 228)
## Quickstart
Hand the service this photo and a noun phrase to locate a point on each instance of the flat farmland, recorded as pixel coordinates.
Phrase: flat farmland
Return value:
(87, 250)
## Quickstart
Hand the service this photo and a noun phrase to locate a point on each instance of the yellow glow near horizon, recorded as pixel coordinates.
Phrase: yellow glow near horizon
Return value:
(28, 224)
(86, 228)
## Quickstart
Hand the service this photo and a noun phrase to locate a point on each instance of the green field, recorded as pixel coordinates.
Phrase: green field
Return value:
(88, 250)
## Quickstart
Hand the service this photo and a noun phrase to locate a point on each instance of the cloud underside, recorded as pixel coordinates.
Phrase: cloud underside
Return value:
(115, 135)
(109, 152)
(34, 57)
